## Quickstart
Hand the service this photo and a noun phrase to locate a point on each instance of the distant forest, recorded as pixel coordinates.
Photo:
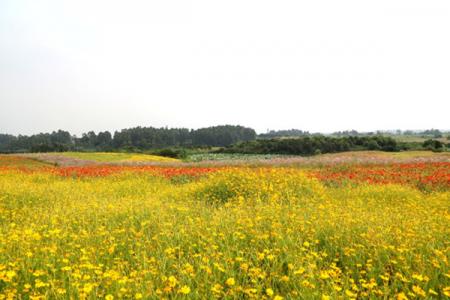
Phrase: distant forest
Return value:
(310, 145)
(229, 138)
(138, 138)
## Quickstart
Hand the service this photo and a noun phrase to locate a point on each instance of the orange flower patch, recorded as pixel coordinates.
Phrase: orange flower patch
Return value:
(436, 175)
(99, 171)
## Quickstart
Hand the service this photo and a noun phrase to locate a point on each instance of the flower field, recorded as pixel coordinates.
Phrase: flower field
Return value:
(117, 157)
(14, 162)
(91, 158)
(331, 231)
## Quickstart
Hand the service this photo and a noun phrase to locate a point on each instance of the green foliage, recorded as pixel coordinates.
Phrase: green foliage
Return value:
(132, 140)
(432, 132)
(56, 141)
(284, 133)
(314, 145)
(171, 152)
(222, 135)
(5, 141)
(433, 145)
(53, 147)
(154, 138)
(177, 142)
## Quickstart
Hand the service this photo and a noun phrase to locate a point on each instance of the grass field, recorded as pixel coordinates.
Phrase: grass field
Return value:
(329, 231)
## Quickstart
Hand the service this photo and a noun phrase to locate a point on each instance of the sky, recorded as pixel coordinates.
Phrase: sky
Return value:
(320, 65)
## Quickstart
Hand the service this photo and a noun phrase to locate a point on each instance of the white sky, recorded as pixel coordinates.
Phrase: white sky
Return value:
(321, 65)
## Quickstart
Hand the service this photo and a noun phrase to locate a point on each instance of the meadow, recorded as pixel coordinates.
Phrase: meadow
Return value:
(116, 157)
(334, 229)
(90, 158)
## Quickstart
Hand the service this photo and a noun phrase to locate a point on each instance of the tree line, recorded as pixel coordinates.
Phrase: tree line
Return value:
(310, 145)
(232, 139)
(130, 139)
(429, 133)
(283, 133)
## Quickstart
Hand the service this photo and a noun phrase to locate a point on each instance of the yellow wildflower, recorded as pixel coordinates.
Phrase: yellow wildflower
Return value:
(230, 281)
(185, 290)
(401, 296)
(418, 291)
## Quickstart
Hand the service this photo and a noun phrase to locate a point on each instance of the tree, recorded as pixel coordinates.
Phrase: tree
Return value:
(103, 141)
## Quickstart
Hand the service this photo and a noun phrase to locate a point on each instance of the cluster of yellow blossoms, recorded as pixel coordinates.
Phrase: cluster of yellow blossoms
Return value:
(237, 233)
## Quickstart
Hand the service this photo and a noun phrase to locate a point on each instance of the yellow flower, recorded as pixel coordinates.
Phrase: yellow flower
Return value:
(269, 292)
(277, 297)
(418, 277)
(138, 296)
(172, 281)
(325, 297)
(446, 291)
(88, 288)
(217, 288)
(401, 296)
(337, 287)
(11, 274)
(350, 294)
(324, 275)
(299, 271)
(109, 297)
(185, 290)
(418, 291)
(61, 291)
(230, 281)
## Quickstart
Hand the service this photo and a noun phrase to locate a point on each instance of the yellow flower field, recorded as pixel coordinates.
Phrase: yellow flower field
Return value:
(117, 157)
(261, 233)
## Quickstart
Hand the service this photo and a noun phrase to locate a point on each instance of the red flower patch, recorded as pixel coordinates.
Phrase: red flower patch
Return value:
(436, 174)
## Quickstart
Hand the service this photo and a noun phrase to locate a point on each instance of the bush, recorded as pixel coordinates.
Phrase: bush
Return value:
(373, 145)
(433, 145)
(170, 152)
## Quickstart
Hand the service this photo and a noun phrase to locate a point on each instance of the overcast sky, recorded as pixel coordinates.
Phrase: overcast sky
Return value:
(312, 65)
